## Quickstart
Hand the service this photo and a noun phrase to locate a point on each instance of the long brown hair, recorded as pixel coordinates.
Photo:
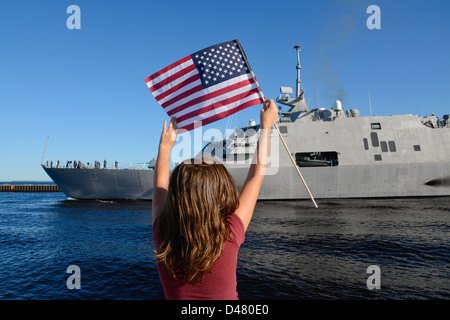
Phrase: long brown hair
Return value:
(193, 229)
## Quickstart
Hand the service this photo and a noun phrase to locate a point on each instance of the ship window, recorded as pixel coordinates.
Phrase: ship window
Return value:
(392, 147)
(366, 144)
(374, 139)
(283, 129)
(236, 158)
(416, 147)
(384, 147)
(377, 157)
(317, 159)
(375, 126)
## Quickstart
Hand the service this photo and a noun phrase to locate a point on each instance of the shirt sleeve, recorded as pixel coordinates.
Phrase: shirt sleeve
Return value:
(237, 230)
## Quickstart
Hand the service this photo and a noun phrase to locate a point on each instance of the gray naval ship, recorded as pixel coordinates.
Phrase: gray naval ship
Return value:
(339, 153)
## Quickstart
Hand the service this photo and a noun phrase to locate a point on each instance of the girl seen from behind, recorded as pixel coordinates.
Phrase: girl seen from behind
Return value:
(199, 218)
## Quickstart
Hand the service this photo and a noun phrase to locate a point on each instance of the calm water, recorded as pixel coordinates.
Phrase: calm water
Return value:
(292, 250)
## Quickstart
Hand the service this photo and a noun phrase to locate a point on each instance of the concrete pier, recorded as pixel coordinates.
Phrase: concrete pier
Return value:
(29, 188)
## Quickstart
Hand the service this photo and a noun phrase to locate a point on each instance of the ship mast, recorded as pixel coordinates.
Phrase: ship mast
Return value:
(299, 67)
(297, 104)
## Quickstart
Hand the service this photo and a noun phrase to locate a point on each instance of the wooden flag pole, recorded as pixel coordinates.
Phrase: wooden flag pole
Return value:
(276, 127)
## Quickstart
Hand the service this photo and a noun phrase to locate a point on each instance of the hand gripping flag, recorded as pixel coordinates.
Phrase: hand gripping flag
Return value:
(206, 86)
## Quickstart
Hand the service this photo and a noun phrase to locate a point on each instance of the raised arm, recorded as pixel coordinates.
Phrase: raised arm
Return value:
(161, 174)
(250, 191)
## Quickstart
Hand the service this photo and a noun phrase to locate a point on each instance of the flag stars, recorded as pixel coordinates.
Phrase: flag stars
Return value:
(219, 63)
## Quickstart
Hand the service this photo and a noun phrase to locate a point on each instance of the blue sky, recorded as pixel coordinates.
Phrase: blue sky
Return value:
(85, 88)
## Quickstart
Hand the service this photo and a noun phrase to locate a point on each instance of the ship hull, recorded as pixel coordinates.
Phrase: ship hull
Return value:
(124, 184)
(351, 181)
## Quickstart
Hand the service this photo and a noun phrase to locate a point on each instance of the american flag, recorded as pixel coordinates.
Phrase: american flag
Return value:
(206, 86)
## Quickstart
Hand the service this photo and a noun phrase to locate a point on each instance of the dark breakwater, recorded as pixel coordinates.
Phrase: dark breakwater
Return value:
(29, 188)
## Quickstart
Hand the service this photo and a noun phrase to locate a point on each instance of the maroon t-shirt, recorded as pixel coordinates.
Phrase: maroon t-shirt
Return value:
(221, 283)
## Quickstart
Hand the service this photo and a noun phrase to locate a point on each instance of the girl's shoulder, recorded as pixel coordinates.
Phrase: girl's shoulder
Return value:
(237, 230)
